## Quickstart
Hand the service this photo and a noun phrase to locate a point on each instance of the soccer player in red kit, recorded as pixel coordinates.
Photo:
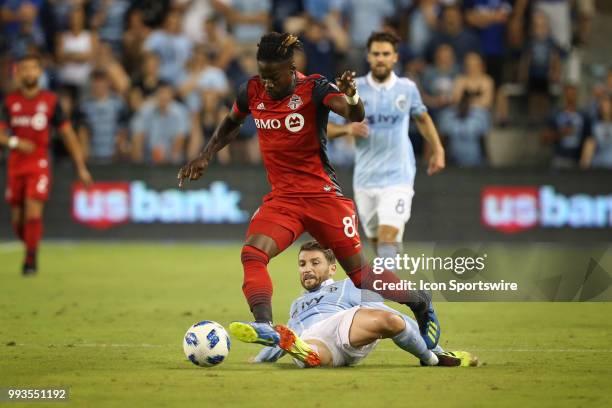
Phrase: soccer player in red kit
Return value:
(25, 119)
(291, 111)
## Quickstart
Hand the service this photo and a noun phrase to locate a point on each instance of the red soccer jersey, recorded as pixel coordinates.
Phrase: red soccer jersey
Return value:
(29, 119)
(293, 134)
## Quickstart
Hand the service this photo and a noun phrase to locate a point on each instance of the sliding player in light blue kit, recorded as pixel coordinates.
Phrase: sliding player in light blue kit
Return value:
(337, 326)
(385, 165)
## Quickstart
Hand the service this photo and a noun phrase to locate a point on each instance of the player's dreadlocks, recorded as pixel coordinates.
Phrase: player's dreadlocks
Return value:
(277, 47)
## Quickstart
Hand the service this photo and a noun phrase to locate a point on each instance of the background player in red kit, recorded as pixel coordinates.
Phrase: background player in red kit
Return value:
(291, 111)
(25, 119)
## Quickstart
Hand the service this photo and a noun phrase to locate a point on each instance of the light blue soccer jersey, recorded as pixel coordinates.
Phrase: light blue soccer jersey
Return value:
(386, 158)
(314, 306)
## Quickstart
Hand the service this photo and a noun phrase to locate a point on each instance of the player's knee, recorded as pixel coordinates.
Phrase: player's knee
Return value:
(387, 234)
(251, 254)
(32, 216)
(392, 323)
(33, 210)
(263, 243)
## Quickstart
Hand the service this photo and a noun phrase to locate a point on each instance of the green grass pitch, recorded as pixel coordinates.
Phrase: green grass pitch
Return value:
(107, 321)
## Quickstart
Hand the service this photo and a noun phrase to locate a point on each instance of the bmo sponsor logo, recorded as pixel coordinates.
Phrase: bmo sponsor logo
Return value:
(294, 122)
(105, 205)
(36, 122)
(515, 209)
(267, 123)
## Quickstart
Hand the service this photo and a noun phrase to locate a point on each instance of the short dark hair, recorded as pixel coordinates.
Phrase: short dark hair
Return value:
(383, 36)
(31, 56)
(277, 47)
(315, 246)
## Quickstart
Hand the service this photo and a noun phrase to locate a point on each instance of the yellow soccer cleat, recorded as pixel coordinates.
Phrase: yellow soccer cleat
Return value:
(252, 332)
(456, 359)
(296, 347)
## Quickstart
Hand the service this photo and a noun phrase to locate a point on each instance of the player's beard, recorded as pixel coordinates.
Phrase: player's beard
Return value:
(29, 84)
(381, 73)
(310, 278)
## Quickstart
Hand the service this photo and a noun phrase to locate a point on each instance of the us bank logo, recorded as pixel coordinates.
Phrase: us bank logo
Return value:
(106, 205)
(510, 209)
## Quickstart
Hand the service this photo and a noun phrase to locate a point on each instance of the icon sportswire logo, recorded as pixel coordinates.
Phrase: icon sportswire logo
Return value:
(512, 209)
(105, 205)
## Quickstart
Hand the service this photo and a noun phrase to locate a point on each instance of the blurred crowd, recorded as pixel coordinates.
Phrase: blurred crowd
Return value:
(148, 80)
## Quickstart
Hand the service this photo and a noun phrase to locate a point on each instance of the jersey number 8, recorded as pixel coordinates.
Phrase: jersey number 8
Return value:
(350, 226)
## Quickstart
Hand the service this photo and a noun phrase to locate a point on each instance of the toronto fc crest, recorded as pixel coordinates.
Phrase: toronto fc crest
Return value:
(295, 102)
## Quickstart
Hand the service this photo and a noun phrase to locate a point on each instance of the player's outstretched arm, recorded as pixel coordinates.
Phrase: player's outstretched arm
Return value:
(353, 129)
(72, 144)
(426, 127)
(223, 135)
(350, 106)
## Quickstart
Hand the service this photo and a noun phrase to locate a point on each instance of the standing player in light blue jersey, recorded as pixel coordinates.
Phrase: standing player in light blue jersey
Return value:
(338, 326)
(385, 164)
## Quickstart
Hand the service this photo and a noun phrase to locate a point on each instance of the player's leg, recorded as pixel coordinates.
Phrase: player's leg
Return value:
(272, 229)
(303, 351)
(15, 196)
(393, 212)
(257, 251)
(283, 337)
(367, 203)
(325, 355)
(387, 245)
(17, 220)
(370, 325)
(386, 284)
(257, 286)
(36, 194)
(32, 232)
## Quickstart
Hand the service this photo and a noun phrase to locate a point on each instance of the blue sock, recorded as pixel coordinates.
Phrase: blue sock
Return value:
(411, 341)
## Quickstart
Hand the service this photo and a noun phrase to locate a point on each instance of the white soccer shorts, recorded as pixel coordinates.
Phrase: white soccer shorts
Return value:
(334, 333)
(384, 206)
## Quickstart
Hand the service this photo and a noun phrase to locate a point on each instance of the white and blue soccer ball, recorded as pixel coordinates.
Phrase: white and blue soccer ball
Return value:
(206, 344)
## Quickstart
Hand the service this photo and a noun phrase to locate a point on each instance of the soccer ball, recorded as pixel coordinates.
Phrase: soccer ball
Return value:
(206, 344)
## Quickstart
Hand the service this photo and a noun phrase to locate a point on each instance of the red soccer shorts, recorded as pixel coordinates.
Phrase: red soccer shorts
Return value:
(34, 186)
(331, 220)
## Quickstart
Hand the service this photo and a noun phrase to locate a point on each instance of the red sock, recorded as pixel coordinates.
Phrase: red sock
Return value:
(18, 230)
(257, 286)
(32, 232)
(364, 277)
